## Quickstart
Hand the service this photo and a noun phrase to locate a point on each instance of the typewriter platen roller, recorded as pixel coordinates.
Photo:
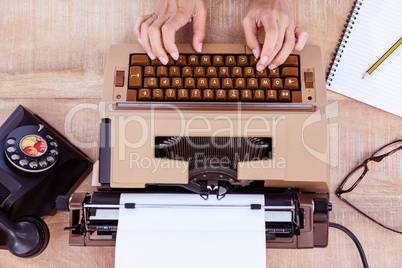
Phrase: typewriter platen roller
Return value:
(292, 219)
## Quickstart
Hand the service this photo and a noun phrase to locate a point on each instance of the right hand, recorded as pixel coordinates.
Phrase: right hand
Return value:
(156, 32)
(282, 35)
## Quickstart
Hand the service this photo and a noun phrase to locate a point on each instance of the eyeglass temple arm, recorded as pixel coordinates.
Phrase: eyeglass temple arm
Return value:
(364, 214)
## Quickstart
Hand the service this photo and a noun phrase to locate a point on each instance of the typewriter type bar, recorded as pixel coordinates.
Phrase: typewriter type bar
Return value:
(134, 205)
(292, 219)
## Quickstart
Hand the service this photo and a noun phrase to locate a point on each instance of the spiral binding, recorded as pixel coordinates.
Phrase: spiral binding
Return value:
(336, 57)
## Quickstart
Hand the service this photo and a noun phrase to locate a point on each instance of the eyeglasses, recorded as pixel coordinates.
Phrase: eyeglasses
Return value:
(357, 175)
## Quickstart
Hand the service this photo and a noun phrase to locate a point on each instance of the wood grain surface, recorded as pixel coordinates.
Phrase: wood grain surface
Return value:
(52, 58)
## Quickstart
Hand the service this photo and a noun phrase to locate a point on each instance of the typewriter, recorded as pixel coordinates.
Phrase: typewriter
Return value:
(211, 125)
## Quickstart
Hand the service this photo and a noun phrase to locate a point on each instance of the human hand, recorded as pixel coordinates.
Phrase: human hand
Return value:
(282, 36)
(156, 32)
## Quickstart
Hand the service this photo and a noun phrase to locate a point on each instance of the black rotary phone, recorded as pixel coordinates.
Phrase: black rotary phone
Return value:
(36, 165)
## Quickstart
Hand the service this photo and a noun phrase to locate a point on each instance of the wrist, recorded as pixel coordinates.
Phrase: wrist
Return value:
(288, 2)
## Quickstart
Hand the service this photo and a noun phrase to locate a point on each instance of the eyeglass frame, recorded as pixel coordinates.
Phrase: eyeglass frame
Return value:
(374, 158)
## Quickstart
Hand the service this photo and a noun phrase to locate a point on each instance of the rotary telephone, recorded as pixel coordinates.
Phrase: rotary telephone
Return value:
(36, 165)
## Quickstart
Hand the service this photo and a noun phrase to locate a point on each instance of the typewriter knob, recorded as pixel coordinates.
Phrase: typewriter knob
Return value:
(322, 206)
(26, 237)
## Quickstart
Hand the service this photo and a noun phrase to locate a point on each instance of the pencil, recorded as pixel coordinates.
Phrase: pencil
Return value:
(392, 49)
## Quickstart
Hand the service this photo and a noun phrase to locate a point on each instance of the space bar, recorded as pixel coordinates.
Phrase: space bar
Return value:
(213, 106)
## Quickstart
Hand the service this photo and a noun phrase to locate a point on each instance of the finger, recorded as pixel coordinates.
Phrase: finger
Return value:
(137, 27)
(271, 36)
(301, 39)
(278, 46)
(251, 33)
(155, 38)
(287, 47)
(169, 30)
(199, 25)
(144, 36)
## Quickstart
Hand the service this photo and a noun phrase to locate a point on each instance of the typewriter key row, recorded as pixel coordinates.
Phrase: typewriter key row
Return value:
(137, 75)
(207, 60)
(212, 71)
(258, 95)
(225, 83)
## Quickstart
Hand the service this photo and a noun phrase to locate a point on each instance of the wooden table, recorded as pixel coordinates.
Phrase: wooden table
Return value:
(52, 58)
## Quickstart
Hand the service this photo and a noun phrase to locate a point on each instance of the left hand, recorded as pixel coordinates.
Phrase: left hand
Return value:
(156, 32)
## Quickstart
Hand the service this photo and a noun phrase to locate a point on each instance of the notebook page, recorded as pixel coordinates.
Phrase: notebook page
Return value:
(377, 27)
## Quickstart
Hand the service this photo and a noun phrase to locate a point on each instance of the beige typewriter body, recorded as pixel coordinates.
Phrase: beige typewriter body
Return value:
(299, 132)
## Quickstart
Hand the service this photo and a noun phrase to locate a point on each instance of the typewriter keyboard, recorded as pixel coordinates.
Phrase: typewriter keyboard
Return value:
(212, 78)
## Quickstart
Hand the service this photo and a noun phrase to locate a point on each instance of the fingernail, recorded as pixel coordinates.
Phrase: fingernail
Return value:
(174, 56)
(163, 60)
(200, 47)
(260, 68)
(151, 55)
(139, 41)
(272, 66)
(255, 53)
(264, 60)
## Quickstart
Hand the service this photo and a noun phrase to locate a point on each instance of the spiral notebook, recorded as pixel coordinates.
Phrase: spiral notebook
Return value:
(374, 27)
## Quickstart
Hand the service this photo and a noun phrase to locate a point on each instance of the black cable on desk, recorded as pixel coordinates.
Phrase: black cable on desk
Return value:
(355, 240)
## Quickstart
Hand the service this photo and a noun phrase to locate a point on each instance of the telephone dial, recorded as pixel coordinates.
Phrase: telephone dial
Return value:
(36, 165)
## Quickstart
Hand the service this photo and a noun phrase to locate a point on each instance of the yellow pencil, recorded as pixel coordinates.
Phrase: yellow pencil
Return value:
(395, 46)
